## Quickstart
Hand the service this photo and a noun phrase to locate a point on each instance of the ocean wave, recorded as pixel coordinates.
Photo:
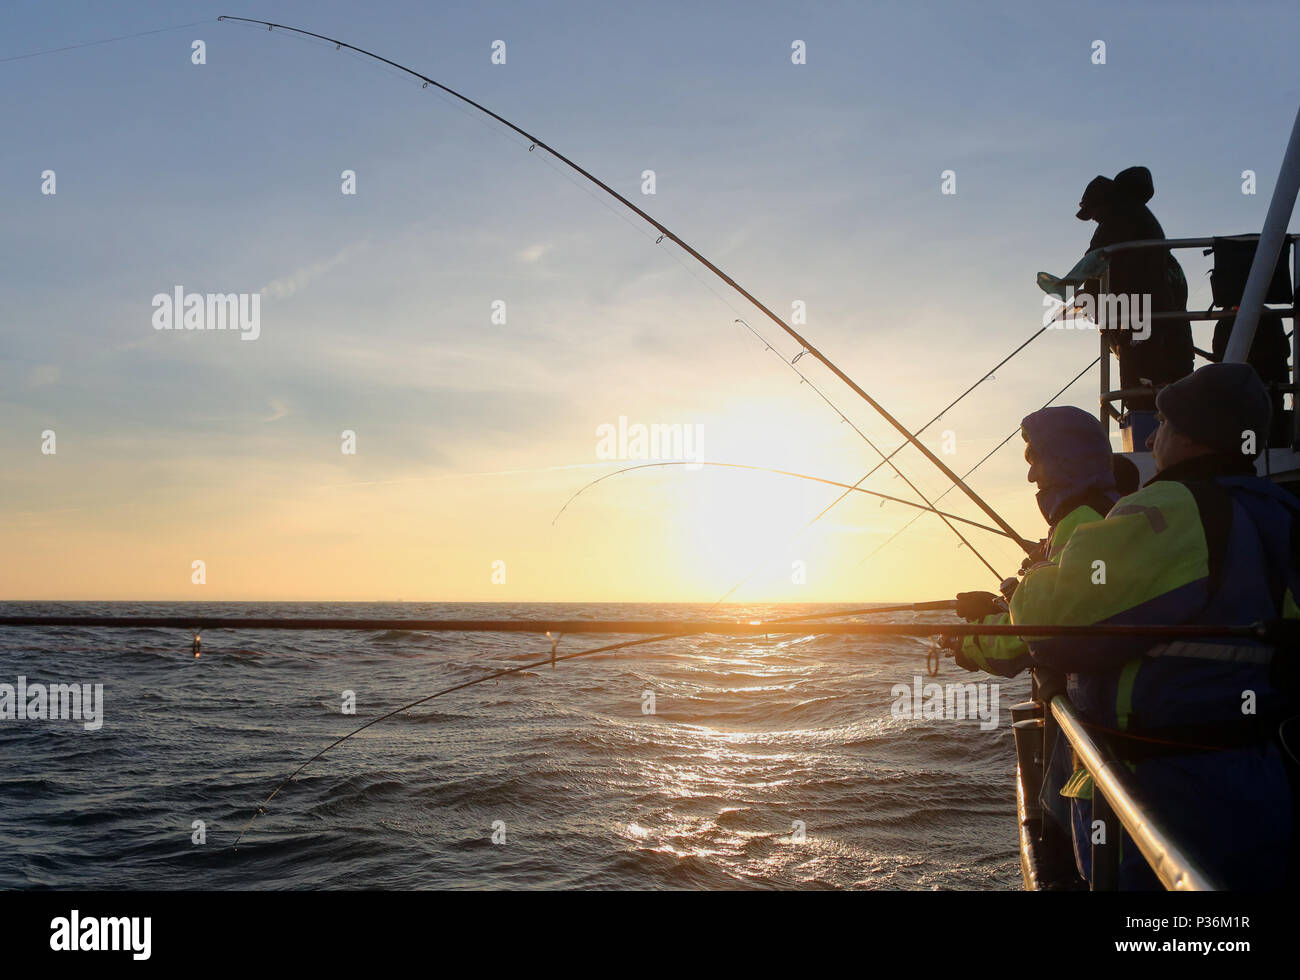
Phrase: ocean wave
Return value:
(595, 785)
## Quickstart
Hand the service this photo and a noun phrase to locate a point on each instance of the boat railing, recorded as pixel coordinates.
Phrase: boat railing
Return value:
(1101, 287)
(1114, 803)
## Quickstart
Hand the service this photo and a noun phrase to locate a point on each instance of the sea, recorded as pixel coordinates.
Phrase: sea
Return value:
(711, 762)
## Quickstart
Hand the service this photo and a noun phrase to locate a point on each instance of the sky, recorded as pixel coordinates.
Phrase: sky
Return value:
(817, 186)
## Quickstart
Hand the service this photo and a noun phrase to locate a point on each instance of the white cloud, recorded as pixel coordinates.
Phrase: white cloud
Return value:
(294, 282)
(534, 253)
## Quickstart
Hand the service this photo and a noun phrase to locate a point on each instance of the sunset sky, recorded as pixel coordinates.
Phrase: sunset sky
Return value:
(816, 183)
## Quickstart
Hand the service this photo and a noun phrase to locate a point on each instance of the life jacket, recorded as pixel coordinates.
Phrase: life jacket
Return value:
(1193, 690)
(1214, 774)
(1007, 656)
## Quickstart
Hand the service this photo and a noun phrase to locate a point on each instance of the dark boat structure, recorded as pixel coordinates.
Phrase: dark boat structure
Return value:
(1047, 860)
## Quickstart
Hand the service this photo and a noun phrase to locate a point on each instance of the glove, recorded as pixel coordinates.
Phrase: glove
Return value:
(959, 658)
(955, 645)
(973, 606)
(1039, 554)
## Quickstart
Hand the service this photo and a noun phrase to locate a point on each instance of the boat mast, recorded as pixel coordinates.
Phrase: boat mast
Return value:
(1270, 243)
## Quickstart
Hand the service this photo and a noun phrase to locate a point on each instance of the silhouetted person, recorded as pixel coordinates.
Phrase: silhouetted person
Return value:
(1270, 349)
(1119, 208)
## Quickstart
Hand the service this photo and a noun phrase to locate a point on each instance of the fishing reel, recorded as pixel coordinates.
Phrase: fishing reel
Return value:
(943, 646)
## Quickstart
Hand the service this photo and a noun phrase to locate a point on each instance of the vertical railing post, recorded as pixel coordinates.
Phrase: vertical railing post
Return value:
(1029, 760)
(1295, 342)
(1105, 352)
(1105, 855)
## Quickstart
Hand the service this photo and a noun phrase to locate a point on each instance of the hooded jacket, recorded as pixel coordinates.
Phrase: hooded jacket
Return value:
(1072, 464)
(1120, 209)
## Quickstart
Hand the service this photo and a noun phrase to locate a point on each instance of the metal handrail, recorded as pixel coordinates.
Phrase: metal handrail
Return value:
(1176, 870)
(1107, 412)
(1118, 394)
(1172, 243)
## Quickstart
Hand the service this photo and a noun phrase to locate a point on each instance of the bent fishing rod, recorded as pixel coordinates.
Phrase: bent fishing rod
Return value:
(767, 469)
(666, 232)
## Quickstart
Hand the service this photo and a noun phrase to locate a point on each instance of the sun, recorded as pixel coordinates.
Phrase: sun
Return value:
(734, 524)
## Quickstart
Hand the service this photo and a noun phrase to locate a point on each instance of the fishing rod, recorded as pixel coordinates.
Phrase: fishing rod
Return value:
(791, 363)
(767, 469)
(933, 606)
(666, 629)
(167, 622)
(107, 40)
(666, 232)
(418, 625)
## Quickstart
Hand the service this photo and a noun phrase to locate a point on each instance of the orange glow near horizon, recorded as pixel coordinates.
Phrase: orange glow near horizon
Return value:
(670, 535)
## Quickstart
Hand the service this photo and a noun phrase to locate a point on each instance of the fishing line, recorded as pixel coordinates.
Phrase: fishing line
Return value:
(565, 172)
(793, 365)
(107, 40)
(666, 232)
(551, 659)
(940, 414)
(1012, 434)
(768, 469)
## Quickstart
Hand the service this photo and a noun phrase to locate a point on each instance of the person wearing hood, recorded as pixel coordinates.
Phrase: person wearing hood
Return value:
(1119, 207)
(1071, 462)
(1196, 722)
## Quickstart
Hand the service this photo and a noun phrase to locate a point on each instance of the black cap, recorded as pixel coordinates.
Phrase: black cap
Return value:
(1216, 405)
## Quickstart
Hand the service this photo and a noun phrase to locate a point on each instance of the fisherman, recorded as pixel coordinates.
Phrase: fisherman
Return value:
(1070, 460)
(1205, 541)
(1119, 208)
